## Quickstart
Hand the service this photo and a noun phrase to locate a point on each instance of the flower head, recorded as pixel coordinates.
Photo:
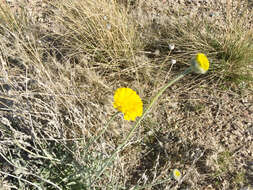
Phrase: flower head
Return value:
(200, 64)
(128, 102)
(176, 174)
(173, 61)
(171, 46)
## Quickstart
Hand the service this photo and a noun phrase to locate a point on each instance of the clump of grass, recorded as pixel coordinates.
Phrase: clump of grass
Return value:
(226, 37)
(223, 162)
(235, 50)
(101, 30)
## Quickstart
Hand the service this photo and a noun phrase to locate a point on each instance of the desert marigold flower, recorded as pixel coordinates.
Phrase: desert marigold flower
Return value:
(200, 64)
(128, 102)
(176, 174)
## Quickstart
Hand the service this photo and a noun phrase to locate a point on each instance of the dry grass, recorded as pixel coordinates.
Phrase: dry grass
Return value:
(62, 61)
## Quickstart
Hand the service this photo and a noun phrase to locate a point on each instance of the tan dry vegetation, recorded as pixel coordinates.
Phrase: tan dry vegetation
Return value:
(62, 61)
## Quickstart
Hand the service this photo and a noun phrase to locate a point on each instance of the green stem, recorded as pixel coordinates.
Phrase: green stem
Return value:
(119, 148)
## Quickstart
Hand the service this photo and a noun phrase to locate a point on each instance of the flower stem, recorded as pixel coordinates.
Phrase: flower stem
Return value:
(121, 146)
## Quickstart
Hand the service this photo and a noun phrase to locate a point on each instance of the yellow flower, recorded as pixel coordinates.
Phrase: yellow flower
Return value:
(176, 174)
(128, 102)
(200, 64)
